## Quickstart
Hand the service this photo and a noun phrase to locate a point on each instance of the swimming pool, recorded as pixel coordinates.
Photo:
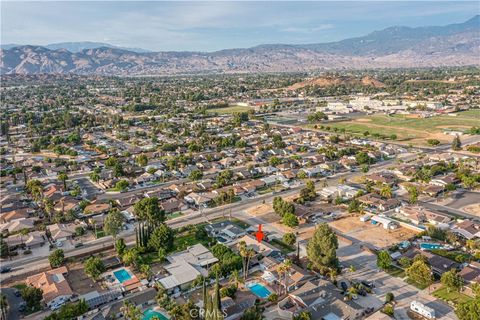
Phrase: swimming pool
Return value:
(430, 246)
(122, 275)
(150, 314)
(259, 290)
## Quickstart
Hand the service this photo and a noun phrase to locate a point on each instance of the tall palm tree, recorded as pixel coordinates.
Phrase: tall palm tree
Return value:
(285, 268)
(246, 253)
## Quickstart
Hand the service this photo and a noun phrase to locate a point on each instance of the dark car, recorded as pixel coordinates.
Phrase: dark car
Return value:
(78, 245)
(368, 284)
(5, 269)
(344, 285)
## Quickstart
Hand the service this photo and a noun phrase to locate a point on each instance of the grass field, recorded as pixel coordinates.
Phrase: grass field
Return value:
(230, 110)
(453, 296)
(407, 128)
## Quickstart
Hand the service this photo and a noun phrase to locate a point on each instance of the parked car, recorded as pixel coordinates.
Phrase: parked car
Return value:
(344, 285)
(5, 269)
(368, 284)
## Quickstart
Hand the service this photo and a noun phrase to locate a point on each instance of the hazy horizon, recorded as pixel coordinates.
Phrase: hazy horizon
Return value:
(210, 26)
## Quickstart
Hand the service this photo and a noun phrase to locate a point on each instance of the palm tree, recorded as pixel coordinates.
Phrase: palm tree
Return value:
(130, 311)
(285, 268)
(235, 278)
(333, 273)
(386, 192)
(3, 307)
(63, 177)
(246, 254)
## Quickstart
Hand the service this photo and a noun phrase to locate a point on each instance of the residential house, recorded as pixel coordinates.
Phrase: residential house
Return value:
(186, 266)
(61, 232)
(321, 299)
(467, 229)
(18, 225)
(56, 290)
(376, 202)
(420, 215)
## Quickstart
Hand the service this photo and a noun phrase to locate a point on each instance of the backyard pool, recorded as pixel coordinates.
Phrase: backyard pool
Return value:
(122, 275)
(259, 290)
(430, 246)
(150, 314)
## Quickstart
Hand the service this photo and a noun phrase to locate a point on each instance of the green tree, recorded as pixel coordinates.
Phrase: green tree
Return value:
(452, 280)
(162, 237)
(420, 272)
(4, 249)
(468, 310)
(413, 194)
(142, 160)
(304, 315)
(130, 311)
(322, 248)
(122, 185)
(94, 267)
(131, 257)
(386, 192)
(290, 220)
(63, 177)
(120, 246)
(113, 223)
(456, 143)
(32, 296)
(433, 142)
(148, 209)
(289, 238)
(56, 258)
(195, 175)
(384, 260)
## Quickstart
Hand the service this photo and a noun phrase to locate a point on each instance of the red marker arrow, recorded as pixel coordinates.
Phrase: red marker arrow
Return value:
(259, 233)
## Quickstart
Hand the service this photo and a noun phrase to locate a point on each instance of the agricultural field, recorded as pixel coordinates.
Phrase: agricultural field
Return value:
(411, 129)
(230, 109)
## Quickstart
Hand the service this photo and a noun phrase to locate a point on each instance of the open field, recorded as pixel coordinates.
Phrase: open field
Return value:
(230, 110)
(407, 128)
(373, 234)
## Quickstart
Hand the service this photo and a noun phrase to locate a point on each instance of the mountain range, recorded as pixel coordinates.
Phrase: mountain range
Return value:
(75, 47)
(450, 45)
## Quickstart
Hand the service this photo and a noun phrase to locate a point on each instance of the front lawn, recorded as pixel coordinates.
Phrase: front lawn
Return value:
(453, 296)
(396, 271)
(174, 215)
(285, 248)
(416, 284)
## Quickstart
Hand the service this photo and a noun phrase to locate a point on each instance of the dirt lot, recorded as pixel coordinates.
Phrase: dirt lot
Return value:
(473, 209)
(79, 281)
(260, 210)
(374, 234)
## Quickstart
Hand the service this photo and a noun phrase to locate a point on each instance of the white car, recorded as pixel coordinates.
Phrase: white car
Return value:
(59, 243)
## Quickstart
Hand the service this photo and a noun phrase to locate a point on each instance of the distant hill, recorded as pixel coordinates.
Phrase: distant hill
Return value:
(334, 81)
(75, 47)
(450, 45)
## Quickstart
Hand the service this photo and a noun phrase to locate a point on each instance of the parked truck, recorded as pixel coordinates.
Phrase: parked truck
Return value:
(422, 310)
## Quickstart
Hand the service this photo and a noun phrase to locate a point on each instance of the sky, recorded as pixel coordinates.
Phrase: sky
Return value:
(210, 26)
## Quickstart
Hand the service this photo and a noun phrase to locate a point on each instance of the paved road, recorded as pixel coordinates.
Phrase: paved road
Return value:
(14, 303)
(366, 269)
(237, 209)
